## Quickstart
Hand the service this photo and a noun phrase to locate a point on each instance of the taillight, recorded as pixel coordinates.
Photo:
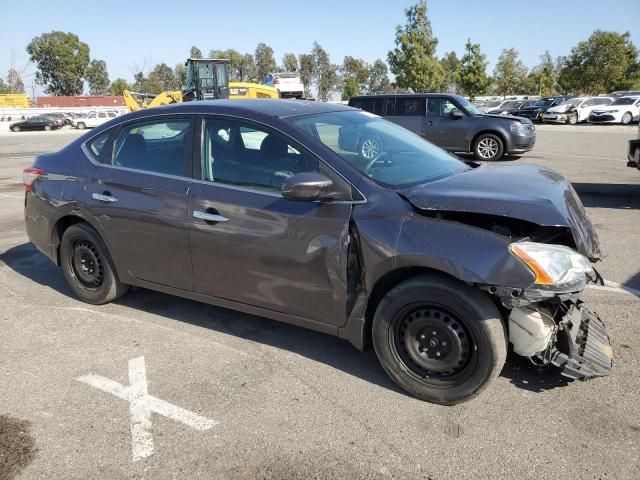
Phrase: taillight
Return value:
(276, 81)
(29, 175)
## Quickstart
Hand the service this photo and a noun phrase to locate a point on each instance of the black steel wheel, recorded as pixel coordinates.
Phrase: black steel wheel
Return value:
(439, 339)
(87, 266)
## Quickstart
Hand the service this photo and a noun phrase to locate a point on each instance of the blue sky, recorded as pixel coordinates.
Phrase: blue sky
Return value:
(130, 33)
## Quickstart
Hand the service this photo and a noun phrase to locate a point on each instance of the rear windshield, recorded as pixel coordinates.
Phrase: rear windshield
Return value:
(388, 154)
(286, 75)
(625, 101)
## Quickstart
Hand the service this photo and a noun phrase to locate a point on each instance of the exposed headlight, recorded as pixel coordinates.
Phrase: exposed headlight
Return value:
(519, 128)
(557, 268)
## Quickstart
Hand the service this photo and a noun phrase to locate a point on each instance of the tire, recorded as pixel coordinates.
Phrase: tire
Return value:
(81, 125)
(369, 148)
(47, 128)
(456, 322)
(488, 147)
(627, 118)
(16, 129)
(573, 119)
(87, 267)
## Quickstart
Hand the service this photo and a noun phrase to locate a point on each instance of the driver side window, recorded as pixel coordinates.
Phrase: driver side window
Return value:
(234, 153)
(440, 107)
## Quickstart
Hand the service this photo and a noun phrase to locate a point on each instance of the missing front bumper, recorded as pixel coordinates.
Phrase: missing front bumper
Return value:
(583, 349)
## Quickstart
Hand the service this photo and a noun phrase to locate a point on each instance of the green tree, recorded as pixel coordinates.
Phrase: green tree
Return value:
(509, 74)
(4, 88)
(326, 73)
(543, 78)
(473, 71)
(248, 68)
(236, 61)
(378, 78)
(414, 61)
(307, 72)
(14, 81)
(357, 69)
(97, 77)
(161, 78)
(61, 60)
(118, 86)
(350, 88)
(180, 72)
(195, 52)
(450, 64)
(265, 61)
(290, 62)
(605, 62)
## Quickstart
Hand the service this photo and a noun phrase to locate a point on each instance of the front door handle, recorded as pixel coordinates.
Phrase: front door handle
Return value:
(104, 197)
(209, 217)
(430, 123)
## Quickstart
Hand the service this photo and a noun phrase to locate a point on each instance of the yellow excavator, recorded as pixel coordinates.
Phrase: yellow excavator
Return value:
(206, 79)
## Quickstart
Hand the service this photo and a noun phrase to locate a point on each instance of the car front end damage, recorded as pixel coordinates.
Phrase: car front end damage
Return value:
(548, 235)
(547, 322)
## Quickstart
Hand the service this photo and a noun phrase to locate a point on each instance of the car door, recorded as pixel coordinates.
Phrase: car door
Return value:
(444, 129)
(138, 195)
(248, 243)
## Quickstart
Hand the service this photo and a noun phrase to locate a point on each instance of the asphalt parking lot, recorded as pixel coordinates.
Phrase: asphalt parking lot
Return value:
(154, 386)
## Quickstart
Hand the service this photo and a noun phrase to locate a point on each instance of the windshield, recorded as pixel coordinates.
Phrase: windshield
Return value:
(625, 101)
(511, 104)
(469, 107)
(543, 102)
(495, 103)
(388, 154)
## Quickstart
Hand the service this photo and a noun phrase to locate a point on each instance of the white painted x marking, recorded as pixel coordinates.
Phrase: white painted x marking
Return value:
(141, 405)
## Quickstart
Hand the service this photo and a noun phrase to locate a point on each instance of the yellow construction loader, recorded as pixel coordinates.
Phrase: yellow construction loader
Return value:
(206, 79)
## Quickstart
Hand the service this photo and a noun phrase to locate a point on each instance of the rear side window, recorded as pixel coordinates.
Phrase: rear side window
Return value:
(389, 107)
(373, 105)
(409, 107)
(96, 146)
(158, 147)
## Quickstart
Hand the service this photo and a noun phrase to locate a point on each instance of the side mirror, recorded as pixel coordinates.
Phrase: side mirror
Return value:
(307, 187)
(456, 113)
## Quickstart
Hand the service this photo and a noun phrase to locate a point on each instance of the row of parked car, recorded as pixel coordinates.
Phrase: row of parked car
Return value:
(622, 109)
(55, 120)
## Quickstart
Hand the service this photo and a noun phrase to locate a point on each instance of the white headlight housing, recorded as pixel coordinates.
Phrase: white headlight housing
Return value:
(557, 268)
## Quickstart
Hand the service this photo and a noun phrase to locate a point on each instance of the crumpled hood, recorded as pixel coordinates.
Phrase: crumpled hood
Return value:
(561, 108)
(525, 192)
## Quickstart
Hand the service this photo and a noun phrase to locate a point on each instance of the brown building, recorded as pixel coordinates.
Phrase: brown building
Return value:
(93, 101)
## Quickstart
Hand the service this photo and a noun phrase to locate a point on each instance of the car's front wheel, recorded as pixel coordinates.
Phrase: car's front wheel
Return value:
(47, 128)
(15, 129)
(87, 266)
(627, 118)
(439, 339)
(573, 119)
(488, 147)
(81, 125)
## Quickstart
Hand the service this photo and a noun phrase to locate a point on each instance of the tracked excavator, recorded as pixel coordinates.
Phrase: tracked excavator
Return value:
(206, 79)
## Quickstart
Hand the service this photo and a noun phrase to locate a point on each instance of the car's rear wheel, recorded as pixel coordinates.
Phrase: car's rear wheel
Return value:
(87, 266)
(439, 339)
(81, 125)
(627, 118)
(15, 129)
(47, 127)
(488, 147)
(573, 119)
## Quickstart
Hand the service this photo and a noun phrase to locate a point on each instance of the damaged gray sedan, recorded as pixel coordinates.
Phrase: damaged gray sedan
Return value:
(332, 219)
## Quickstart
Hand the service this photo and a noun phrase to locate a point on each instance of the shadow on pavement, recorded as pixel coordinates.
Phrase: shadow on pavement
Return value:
(30, 263)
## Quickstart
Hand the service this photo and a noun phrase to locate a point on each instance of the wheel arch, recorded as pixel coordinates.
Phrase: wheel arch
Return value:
(61, 225)
(492, 131)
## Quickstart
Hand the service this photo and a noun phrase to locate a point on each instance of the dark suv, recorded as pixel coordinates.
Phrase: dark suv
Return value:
(453, 123)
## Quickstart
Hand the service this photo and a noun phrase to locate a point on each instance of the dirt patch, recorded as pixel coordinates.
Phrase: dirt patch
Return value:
(16, 447)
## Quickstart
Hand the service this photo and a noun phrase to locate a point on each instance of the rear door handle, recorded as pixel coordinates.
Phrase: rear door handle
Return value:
(430, 124)
(209, 217)
(104, 197)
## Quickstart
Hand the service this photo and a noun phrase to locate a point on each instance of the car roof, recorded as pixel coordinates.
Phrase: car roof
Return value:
(270, 107)
(386, 95)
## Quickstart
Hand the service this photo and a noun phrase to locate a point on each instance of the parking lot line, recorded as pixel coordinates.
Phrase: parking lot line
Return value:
(142, 405)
